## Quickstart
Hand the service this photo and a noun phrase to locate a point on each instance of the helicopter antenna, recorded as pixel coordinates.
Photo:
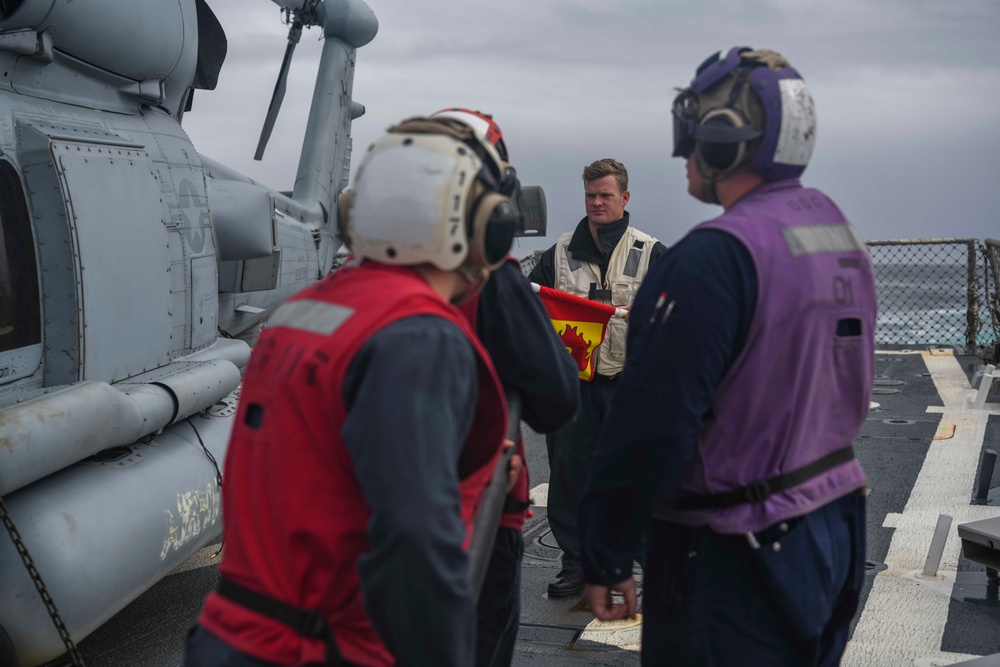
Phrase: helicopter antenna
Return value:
(303, 16)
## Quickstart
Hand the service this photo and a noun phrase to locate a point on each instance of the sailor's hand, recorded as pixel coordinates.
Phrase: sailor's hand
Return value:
(627, 310)
(514, 468)
(604, 608)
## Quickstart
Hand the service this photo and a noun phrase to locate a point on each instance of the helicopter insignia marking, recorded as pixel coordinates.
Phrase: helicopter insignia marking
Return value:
(189, 200)
(197, 512)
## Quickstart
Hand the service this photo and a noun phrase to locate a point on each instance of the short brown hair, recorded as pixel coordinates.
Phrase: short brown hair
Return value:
(607, 167)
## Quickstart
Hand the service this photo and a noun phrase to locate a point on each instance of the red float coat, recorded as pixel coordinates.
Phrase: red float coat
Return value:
(294, 513)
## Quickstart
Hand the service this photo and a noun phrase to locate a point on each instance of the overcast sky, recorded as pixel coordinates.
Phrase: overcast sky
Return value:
(907, 95)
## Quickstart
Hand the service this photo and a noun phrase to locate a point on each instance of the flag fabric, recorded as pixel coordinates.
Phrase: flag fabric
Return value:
(580, 323)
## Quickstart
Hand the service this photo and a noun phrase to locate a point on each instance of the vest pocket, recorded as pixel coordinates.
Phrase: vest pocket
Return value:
(622, 294)
(849, 355)
(617, 333)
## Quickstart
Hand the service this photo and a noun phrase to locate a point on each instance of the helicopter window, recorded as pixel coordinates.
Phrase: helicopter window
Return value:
(19, 311)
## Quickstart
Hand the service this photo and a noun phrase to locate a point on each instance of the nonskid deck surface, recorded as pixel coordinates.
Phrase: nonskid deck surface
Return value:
(909, 618)
(921, 447)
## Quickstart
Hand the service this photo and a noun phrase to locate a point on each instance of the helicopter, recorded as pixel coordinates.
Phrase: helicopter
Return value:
(135, 275)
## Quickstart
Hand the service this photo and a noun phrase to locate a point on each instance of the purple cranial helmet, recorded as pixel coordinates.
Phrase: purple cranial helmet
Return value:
(747, 109)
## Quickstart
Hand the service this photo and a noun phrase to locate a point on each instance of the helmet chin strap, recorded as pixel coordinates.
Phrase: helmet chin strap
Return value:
(476, 276)
(709, 177)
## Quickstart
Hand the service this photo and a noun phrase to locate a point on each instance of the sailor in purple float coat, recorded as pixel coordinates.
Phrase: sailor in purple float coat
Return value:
(798, 392)
(750, 373)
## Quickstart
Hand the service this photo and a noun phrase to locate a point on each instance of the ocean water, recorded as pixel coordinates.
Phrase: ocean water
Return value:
(928, 302)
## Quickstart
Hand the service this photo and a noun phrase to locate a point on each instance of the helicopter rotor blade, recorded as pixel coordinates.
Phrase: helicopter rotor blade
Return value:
(279, 90)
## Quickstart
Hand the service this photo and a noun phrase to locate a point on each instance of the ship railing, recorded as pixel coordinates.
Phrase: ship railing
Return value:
(934, 292)
(939, 292)
(528, 262)
(991, 250)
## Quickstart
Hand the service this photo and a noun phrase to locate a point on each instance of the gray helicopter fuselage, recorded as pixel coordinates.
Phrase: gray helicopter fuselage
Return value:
(134, 276)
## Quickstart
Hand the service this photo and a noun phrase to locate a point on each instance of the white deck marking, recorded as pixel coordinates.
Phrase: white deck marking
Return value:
(904, 618)
(539, 496)
(625, 635)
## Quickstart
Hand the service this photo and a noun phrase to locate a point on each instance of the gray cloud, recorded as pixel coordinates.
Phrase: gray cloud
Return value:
(907, 94)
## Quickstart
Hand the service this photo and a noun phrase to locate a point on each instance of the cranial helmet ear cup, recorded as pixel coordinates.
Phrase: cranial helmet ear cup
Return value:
(343, 211)
(722, 156)
(511, 188)
(492, 223)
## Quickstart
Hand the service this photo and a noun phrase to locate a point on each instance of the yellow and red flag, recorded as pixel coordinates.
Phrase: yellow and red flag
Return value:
(580, 323)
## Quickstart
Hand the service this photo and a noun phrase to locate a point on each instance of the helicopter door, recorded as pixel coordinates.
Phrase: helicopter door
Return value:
(20, 317)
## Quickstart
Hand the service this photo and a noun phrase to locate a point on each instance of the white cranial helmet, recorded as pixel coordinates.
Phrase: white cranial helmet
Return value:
(426, 192)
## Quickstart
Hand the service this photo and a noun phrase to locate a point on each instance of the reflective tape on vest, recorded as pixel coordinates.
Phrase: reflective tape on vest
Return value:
(313, 316)
(815, 239)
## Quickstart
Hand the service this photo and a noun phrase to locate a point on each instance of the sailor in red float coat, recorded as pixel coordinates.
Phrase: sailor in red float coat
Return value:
(370, 423)
(287, 449)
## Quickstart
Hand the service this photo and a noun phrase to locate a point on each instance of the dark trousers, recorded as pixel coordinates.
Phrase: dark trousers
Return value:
(570, 451)
(713, 600)
(499, 606)
(203, 649)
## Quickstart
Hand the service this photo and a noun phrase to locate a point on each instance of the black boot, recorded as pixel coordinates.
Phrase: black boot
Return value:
(566, 584)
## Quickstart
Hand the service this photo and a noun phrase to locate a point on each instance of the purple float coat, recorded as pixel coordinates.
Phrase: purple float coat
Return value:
(798, 391)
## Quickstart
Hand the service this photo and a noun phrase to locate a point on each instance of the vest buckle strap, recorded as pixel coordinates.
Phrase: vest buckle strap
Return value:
(758, 492)
(512, 506)
(304, 622)
(598, 294)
